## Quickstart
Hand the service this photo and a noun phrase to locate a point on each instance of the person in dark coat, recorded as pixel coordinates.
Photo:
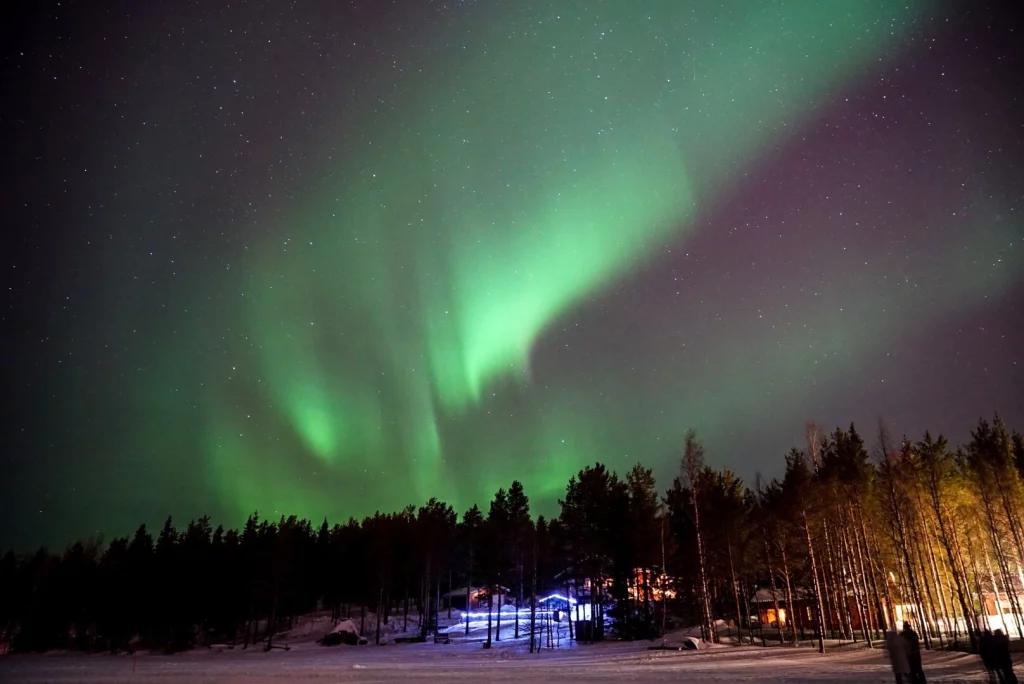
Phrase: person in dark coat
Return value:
(985, 651)
(913, 654)
(896, 649)
(1001, 660)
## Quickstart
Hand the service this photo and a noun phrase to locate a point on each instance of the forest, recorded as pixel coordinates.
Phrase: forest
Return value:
(857, 533)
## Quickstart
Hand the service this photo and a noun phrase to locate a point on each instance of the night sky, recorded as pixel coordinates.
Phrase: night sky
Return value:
(326, 258)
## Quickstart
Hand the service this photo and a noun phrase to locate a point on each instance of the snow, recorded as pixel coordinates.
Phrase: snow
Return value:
(345, 627)
(309, 628)
(466, 661)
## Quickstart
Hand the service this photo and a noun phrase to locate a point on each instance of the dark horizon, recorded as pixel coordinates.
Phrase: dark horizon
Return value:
(548, 509)
(841, 551)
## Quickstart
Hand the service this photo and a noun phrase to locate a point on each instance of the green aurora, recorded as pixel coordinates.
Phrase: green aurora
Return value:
(531, 164)
(327, 259)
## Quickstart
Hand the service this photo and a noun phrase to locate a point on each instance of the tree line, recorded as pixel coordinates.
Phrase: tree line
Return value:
(848, 541)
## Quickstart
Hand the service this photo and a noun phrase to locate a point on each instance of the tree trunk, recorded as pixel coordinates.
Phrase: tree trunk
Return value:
(705, 598)
(995, 594)
(859, 588)
(380, 609)
(425, 620)
(1004, 571)
(779, 622)
(648, 613)
(570, 592)
(1001, 563)
(736, 595)
(903, 545)
(533, 598)
(973, 555)
(868, 563)
(829, 599)
(971, 618)
(469, 589)
(664, 573)
(945, 540)
(936, 576)
(817, 585)
(836, 563)
(1005, 485)
(790, 608)
(490, 609)
(849, 568)
(927, 589)
(519, 577)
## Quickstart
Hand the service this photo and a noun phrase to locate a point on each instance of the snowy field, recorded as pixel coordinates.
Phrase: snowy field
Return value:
(468, 662)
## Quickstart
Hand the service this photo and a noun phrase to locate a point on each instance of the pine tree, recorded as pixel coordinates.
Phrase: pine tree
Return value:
(469, 532)
(645, 527)
(519, 527)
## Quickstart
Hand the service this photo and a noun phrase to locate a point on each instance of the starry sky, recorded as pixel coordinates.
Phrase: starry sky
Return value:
(326, 258)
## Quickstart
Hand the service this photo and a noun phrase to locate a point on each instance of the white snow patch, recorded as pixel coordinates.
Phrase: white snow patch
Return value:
(506, 663)
(346, 627)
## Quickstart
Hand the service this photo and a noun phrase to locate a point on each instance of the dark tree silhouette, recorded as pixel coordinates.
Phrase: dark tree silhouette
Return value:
(842, 546)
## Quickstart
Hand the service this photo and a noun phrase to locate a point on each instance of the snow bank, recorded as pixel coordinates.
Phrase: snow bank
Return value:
(346, 626)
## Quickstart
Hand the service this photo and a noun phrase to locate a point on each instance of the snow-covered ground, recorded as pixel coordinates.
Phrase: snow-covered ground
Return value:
(468, 662)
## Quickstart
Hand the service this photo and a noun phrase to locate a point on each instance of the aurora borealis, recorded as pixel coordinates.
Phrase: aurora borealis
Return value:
(326, 259)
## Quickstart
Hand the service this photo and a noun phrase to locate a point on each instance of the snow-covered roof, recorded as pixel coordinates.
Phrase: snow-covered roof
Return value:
(764, 595)
(474, 590)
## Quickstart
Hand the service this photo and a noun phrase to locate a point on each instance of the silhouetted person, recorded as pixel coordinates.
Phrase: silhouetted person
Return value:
(985, 651)
(896, 649)
(913, 654)
(1001, 659)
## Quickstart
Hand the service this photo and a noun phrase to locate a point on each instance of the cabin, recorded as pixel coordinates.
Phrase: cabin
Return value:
(478, 596)
(642, 582)
(998, 604)
(803, 614)
(653, 583)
